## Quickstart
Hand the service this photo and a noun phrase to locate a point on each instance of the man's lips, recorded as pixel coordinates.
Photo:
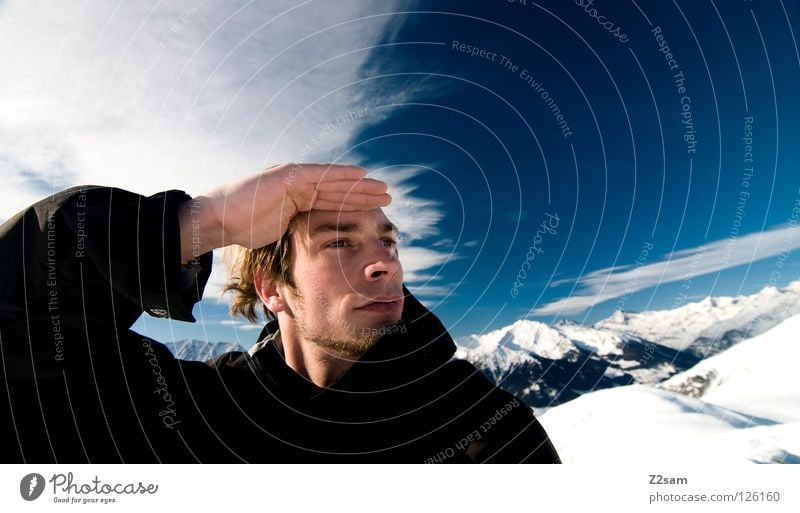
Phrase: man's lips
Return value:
(383, 304)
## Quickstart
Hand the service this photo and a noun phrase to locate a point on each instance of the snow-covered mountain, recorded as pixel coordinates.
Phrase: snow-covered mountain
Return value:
(758, 376)
(713, 324)
(200, 350)
(742, 405)
(548, 365)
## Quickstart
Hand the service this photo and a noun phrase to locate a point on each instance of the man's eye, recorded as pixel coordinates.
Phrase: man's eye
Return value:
(389, 242)
(339, 243)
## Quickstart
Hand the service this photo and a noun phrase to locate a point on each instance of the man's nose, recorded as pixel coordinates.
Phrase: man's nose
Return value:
(383, 263)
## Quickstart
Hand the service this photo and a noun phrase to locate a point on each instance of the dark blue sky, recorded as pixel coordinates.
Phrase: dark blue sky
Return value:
(622, 177)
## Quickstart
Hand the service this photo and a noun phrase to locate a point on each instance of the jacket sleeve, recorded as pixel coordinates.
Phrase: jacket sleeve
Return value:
(90, 260)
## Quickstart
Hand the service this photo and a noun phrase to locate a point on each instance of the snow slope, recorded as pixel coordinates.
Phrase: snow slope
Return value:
(758, 376)
(644, 425)
(548, 365)
(748, 412)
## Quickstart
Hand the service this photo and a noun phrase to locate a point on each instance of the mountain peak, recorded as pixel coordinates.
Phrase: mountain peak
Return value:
(523, 335)
(712, 318)
(546, 365)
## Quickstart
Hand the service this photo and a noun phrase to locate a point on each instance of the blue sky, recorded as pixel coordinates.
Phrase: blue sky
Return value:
(453, 103)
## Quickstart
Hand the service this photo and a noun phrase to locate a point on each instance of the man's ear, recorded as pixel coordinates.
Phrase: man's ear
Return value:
(268, 292)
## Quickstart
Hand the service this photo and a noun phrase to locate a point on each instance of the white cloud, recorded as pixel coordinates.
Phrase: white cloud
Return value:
(241, 324)
(189, 95)
(613, 282)
(416, 218)
(175, 94)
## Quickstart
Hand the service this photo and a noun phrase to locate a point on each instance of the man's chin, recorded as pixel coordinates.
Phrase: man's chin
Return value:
(378, 330)
(360, 338)
(352, 345)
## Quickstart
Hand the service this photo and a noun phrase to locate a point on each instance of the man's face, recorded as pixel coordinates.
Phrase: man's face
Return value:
(348, 277)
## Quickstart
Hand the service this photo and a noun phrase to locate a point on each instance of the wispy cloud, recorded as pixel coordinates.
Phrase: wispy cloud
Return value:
(418, 219)
(178, 95)
(192, 94)
(614, 282)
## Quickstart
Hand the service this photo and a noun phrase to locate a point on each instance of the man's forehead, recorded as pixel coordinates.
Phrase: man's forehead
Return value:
(316, 221)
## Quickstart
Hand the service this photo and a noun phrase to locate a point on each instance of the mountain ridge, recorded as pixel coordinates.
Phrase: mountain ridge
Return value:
(547, 365)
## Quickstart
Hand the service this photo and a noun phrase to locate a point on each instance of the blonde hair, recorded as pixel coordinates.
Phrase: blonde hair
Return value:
(275, 259)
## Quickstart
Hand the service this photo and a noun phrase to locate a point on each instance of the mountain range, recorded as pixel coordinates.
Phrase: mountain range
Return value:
(548, 365)
(201, 350)
(739, 406)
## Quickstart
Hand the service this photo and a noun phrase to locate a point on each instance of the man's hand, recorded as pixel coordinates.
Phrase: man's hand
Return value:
(255, 211)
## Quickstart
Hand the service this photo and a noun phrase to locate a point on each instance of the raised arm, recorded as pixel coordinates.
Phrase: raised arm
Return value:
(256, 210)
(93, 258)
(82, 265)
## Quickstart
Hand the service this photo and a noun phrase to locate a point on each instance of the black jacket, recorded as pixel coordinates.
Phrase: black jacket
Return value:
(78, 385)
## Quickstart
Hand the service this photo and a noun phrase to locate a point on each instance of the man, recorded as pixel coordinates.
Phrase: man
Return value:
(350, 368)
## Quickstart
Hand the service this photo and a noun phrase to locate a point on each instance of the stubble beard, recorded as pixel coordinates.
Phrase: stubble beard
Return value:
(354, 345)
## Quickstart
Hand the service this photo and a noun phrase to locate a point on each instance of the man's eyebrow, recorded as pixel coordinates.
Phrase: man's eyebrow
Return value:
(336, 227)
(390, 227)
(350, 228)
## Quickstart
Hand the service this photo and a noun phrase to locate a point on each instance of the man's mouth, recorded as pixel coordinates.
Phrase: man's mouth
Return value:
(383, 304)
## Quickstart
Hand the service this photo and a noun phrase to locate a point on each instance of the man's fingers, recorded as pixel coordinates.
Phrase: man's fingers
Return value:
(317, 173)
(350, 202)
(364, 186)
(353, 198)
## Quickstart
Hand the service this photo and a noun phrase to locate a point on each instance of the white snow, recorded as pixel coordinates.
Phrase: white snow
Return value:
(200, 350)
(651, 374)
(756, 376)
(521, 342)
(725, 320)
(602, 342)
(710, 318)
(750, 413)
(532, 336)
